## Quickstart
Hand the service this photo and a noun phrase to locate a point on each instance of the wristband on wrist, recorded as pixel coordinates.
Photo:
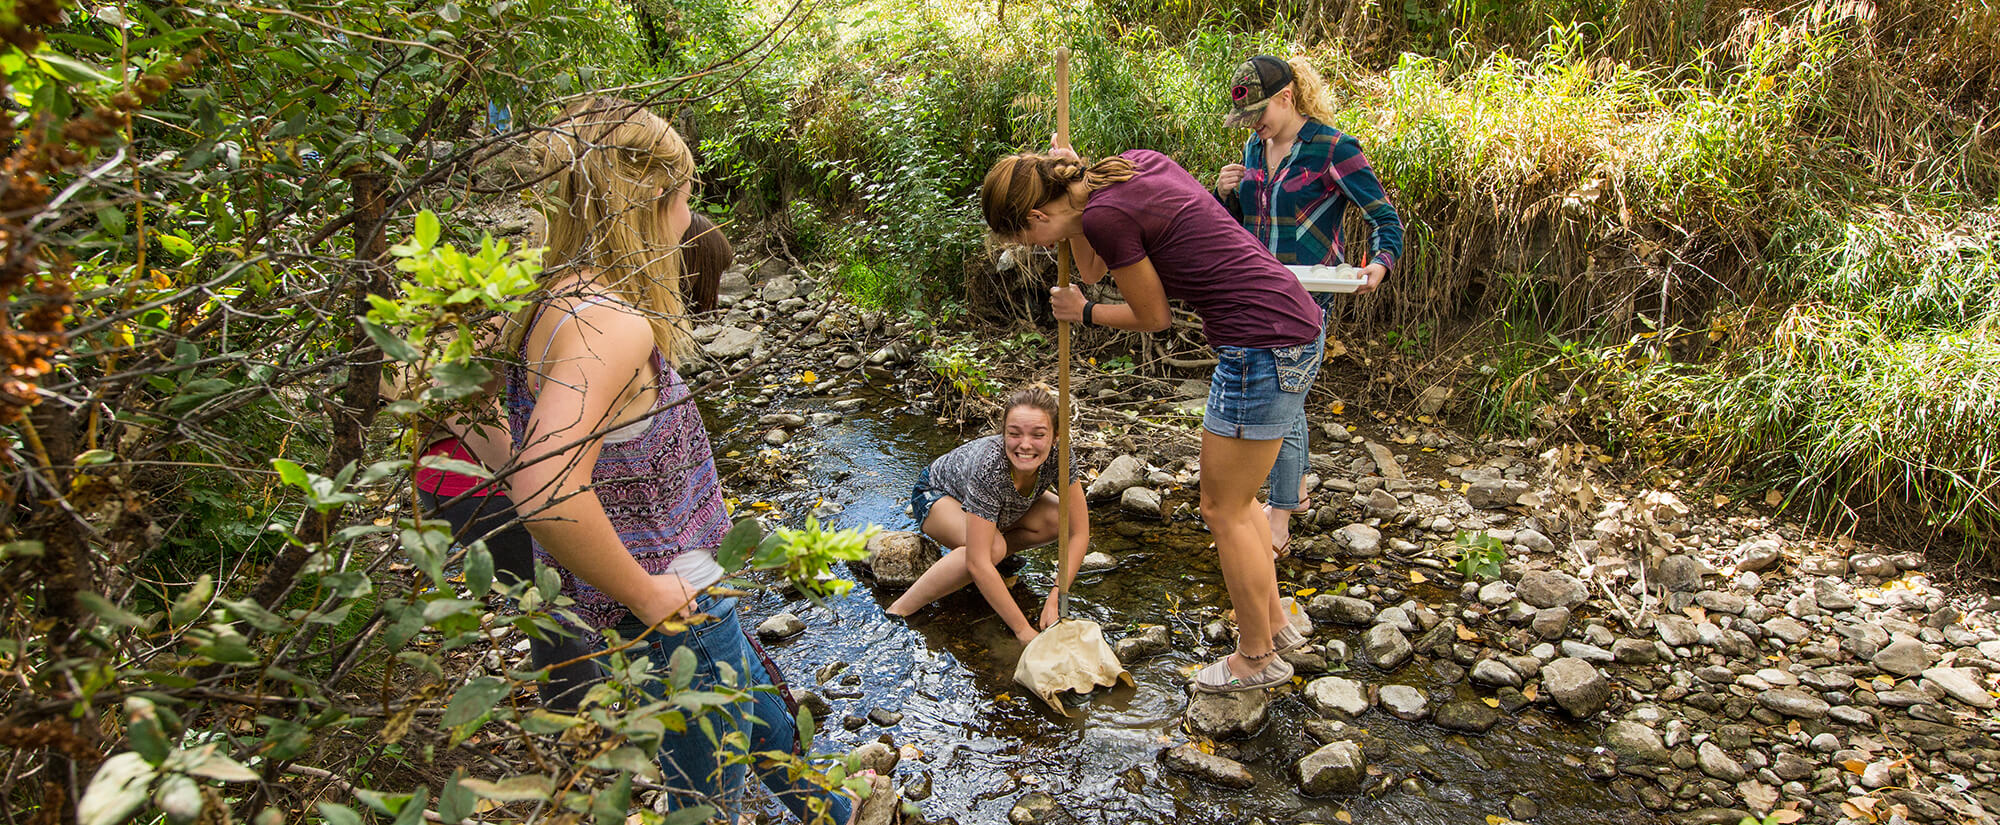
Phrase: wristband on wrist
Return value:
(1087, 307)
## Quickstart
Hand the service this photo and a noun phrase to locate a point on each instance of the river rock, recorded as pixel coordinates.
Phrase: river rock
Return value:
(1337, 768)
(1959, 683)
(1794, 702)
(1467, 716)
(1496, 594)
(1345, 610)
(898, 557)
(1380, 503)
(877, 756)
(1207, 767)
(730, 343)
(781, 626)
(1032, 809)
(1226, 715)
(1360, 540)
(1404, 702)
(1550, 622)
(1718, 764)
(778, 289)
(1097, 562)
(1629, 651)
(1759, 554)
(1903, 657)
(1336, 696)
(1495, 674)
(1386, 464)
(1635, 742)
(1551, 588)
(1576, 686)
(1123, 473)
(1386, 647)
(1496, 493)
(1680, 573)
(1140, 500)
(1148, 642)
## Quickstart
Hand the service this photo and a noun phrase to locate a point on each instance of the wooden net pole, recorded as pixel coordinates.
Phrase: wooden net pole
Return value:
(1066, 575)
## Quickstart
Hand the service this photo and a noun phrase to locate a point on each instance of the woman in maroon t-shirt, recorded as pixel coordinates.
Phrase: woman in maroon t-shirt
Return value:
(1160, 235)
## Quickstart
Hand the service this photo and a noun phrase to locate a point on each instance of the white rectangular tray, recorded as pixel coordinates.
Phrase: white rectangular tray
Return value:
(1318, 278)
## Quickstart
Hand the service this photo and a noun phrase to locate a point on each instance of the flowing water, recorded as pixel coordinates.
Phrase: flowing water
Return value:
(949, 672)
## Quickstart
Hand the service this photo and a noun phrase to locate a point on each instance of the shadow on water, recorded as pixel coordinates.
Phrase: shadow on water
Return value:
(949, 672)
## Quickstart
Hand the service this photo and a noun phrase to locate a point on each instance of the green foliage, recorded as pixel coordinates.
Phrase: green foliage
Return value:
(961, 368)
(1479, 555)
(446, 284)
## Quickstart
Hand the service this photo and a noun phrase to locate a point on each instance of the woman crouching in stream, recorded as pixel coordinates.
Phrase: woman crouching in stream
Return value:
(994, 496)
(1160, 234)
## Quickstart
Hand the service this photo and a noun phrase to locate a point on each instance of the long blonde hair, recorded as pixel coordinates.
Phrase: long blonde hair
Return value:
(1021, 183)
(1309, 90)
(610, 161)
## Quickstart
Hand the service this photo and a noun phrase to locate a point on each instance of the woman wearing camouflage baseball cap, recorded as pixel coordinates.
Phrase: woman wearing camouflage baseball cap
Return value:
(1297, 180)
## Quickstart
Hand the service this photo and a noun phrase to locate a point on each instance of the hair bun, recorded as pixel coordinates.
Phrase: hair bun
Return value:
(1064, 168)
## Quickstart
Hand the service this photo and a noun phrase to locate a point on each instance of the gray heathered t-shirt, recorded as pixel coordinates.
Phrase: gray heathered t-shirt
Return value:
(978, 475)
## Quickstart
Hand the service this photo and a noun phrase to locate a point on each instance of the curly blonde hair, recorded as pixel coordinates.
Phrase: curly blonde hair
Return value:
(1309, 90)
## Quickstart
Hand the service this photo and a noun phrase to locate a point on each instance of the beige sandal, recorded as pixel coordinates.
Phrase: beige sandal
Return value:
(1287, 639)
(1217, 678)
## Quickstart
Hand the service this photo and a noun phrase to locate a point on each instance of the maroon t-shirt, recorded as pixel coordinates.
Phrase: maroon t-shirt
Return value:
(1203, 255)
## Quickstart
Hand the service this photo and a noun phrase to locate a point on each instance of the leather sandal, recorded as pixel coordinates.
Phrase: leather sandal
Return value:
(1216, 678)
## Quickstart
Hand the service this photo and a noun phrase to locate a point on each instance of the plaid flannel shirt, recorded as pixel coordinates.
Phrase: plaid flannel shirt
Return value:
(1296, 212)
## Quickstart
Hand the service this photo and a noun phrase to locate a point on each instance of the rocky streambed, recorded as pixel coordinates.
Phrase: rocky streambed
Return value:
(1637, 653)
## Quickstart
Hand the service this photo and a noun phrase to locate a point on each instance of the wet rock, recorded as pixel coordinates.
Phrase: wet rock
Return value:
(1404, 702)
(1794, 702)
(1467, 716)
(1635, 742)
(1496, 493)
(1386, 647)
(1959, 683)
(1097, 562)
(1123, 473)
(1033, 809)
(782, 420)
(897, 558)
(1336, 696)
(1346, 610)
(1577, 687)
(1550, 588)
(1680, 573)
(729, 344)
(885, 718)
(1713, 816)
(1147, 642)
(1337, 768)
(1207, 767)
(1226, 715)
(1523, 808)
(919, 789)
(781, 626)
(1717, 763)
(1760, 554)
(1140, 500)
(877, 756)
(777, 438)
(1360, 540)
(1903, 657)
(1494, 674)
(1305, 661)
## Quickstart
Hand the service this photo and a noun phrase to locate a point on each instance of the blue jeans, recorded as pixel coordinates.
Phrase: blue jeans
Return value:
(691, 761)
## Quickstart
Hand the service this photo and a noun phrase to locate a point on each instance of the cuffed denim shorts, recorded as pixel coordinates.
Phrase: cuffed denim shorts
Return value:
(1258, 394)
(922, 497)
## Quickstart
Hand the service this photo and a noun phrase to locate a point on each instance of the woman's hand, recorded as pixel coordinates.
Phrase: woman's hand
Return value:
(666, 595)
(1067, 303)
(1052, 608)
(1061, 148)
(1026, 634)
(1375, 273)
(1229, 178)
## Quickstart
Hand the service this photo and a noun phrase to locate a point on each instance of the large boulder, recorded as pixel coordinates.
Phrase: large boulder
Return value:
(897, 558)
(1226, 715)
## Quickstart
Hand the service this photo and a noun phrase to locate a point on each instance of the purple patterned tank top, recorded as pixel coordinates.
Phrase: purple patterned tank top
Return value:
(659, 489)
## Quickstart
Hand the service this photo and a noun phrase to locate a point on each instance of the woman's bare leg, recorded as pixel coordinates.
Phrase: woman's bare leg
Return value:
(1232, 470)
(946, 526)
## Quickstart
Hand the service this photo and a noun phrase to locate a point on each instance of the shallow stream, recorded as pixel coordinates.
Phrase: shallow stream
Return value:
(985, 743)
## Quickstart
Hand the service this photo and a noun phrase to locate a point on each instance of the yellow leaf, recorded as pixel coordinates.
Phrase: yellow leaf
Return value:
(1465, 634)
(1605, 459)
(1786, 816)
(1343, 815)
(1004, 697)
(1696, 613)
(1417, 578)
(1423, 419)
(1529, 692)
(1495, 820)
(1721, 500)
(807, 377)
(1491, 702)
(733, 453)
(1444, 485)
(1306, 592)
(1337, 407)
(1854, 766)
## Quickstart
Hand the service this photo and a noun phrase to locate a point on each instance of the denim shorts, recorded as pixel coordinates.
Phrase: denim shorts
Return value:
(922, 497)
(1258, 394)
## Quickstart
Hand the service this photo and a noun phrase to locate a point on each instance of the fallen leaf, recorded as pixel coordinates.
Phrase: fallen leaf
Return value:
(1696, 613)
(1774, 498)
(1417, 578)
(1854, 766)
(1343, 815)
(1337, 407)
(1465, 634)
(1786, 816)
(1529, 692)
(1491, 702)
(1004, 697)
(1721, 500)
(1306, 592)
